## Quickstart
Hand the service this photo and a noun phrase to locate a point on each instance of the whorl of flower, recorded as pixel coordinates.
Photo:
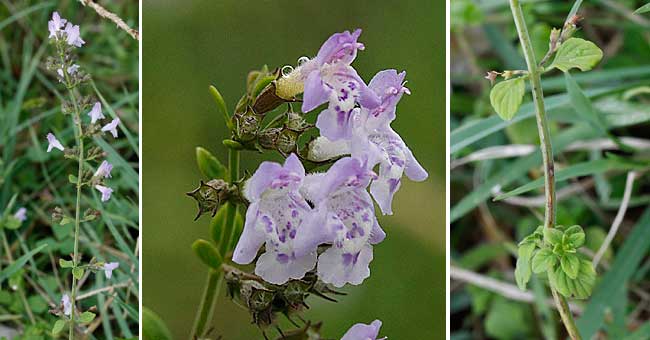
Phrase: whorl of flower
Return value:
(53, 143)
(21, 214)
(105, 191)
(96, 113)
(344, 217)
(104, 170)
(112, 127)
(67, 305)
(364, 332)
(109, 267)
(274, 217)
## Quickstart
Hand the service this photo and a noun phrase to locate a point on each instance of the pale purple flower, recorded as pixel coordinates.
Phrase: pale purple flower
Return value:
(61, 75)
(329, 77)
(67, 305)
(96, 114)
(112, 127)
(55, 25)
(104, 170)
(109, 267)
(21, 214)
(73, 69)
(375, 141)
(105, 191)
(344, 216)
(274, 217)
(73, 37)
(53, 143)
(383, 145)
(364, 332)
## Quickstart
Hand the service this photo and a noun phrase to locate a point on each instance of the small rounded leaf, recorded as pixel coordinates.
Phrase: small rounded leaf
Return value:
(506, 97)
(575, 236)
(65, 263)
(209, 165)
(11, 223)
(86, 317)
(77, 272)
(553, 236)
(543, 261)
(523, 268)
(570, 265)
(58, 326)
(207, 253)
(577, 53)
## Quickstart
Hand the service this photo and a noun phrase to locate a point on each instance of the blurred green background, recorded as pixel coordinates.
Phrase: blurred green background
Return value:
(188, 45)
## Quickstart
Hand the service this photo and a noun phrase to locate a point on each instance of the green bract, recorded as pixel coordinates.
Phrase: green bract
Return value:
(207, 253)
(209, 165)
(569, 273)
(577, 53)
(506, 97)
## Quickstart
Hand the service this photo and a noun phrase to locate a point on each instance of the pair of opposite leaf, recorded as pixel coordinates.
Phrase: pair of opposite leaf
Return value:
(555, 251)
(506, 97)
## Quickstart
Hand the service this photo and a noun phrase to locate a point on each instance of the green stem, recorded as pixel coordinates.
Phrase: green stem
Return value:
(546, 148)
(215, 277)
(76, 119)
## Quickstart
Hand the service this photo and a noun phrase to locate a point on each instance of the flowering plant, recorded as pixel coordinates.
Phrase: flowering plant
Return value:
(313, 214)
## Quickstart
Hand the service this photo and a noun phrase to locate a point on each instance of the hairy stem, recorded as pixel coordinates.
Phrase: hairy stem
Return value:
(215, 278)
(546, 148)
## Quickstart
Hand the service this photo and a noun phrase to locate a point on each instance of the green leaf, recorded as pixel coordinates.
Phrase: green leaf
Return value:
(58, 326)
(506, 97)
(232, 144)
(72, 179)
(209, 165)
(19, 263)
(553, 236)
(508, 320)
(221, 104)
(153, 327)
(577, 53)
(66, 220)
(65, 263)
(207, 253)
(475, 130)
(523, 268)
(643, 9)
(575, 236)
(577, 170)
(580, 287)
(77, 272)
(570, 264)
(12, 223)
(628, 258)
(86, 317)
(543, 261)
